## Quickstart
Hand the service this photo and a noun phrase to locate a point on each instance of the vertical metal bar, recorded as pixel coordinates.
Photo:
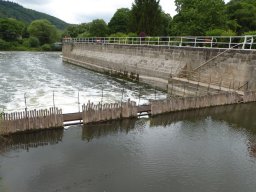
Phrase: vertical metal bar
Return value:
(25, 99)
(230, 41)
(139, 96)
(155, 93)
(53, 99)
(102, 95)
(78, 102)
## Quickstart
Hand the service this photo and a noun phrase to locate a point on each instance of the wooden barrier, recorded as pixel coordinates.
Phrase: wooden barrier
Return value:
(96, 113)
(31, 120)
(186, 103)
(249, 96)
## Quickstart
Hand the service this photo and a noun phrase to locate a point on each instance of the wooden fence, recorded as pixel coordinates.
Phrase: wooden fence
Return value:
(249, 96)
(96, 113)
(187, 103)
(31, 120)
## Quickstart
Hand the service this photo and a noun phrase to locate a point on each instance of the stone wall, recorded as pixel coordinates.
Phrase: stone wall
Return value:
(155, 65)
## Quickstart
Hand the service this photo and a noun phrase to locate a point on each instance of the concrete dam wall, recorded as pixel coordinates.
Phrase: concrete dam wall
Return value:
(156, 65)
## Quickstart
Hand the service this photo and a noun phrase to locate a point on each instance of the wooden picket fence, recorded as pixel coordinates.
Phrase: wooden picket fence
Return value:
(104, 112)
(31, 120)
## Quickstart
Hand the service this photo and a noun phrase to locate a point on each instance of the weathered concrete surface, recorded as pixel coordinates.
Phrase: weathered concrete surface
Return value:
(155, 65)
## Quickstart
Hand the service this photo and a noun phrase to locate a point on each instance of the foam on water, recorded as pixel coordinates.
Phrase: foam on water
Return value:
(43, 80)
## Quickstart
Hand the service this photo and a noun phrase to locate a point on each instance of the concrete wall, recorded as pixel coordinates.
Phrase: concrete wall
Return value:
(155, 65)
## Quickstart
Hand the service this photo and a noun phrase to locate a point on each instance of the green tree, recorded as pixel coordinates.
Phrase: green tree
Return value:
(195, 17)
(242, 15)
(164, 24)
(145, 17)
(120, 21)
(98, 28)
(11, 29)
(44, 31)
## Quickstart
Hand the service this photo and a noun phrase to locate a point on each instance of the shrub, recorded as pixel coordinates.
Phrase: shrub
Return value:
(46, 47)
(4, 45)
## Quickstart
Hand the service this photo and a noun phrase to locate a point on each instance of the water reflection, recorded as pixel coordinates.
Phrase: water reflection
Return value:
(26, 141)
(229, 114)
(98, 130)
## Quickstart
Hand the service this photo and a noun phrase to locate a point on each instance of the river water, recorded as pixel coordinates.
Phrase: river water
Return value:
(203, 150)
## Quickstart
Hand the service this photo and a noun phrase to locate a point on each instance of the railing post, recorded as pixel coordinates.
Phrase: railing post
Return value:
(230, 41)
(245, 40)
(181, 39)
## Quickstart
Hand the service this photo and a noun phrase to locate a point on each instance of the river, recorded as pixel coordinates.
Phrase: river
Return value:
(204, 150)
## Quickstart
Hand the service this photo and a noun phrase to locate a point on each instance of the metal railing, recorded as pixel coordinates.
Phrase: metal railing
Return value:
(247, 42)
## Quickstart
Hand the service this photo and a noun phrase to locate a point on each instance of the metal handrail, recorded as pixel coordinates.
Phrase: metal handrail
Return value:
(246, 42)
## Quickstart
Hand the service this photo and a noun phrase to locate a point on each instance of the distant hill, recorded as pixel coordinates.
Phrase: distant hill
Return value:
(14, 10)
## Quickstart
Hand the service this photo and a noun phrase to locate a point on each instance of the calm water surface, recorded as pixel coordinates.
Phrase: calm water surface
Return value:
(207, 150)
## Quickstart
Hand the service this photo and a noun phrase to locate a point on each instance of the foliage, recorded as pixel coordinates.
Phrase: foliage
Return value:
(119, 22)
(250, 33)
(220, 32)
(46, 47)
(44, 31)
(164, 25)
(13, 10)
(132, 34)
(242, 13)
(34, 42)
(4, 46)
(145, 17)
(10, 29)
(118, 35)
(195, 17)
(98, 28)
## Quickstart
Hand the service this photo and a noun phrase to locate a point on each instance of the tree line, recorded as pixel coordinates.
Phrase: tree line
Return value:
(147, 18)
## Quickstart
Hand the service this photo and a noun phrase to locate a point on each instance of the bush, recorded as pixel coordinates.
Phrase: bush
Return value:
(4, 46)
(33, 42)
(215, 32)
(250, 33)
(118, 35)
(46, 47)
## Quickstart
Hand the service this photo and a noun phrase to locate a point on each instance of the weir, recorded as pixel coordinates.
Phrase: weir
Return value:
(195, 77)
(93, 113)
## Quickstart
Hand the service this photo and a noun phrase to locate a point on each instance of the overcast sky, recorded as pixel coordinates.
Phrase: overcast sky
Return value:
(81, 11)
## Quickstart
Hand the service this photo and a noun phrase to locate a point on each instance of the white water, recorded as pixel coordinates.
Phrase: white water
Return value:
(38, 76)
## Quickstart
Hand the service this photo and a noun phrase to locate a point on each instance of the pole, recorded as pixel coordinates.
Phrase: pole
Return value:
(78, 102)
(102, 95)
(25, 99)
(139, 96)
(53, 99)
(155, 93)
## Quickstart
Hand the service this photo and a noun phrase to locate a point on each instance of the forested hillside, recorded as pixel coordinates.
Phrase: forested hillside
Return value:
(14, 10)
